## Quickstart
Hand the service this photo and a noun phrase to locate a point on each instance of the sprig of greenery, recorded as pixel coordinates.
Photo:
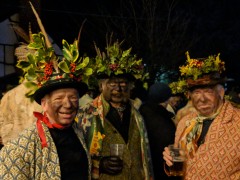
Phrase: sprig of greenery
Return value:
(41, 65)
(179, 86)
(195, 68)
(117, 61)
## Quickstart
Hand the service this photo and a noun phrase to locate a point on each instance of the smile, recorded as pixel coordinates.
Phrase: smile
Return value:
(65, 112)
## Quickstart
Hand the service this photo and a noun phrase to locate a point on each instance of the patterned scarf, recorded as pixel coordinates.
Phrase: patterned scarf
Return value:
(192, 132)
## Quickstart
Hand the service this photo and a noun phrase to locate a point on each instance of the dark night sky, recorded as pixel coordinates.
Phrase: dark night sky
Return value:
(215, 23)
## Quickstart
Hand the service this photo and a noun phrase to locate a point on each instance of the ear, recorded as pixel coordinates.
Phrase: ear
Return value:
(100, 87)
(222, 93)
(44, 104)
(102, 84)
(188, 94)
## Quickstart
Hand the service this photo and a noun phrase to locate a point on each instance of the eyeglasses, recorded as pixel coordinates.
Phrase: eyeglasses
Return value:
(117, 84)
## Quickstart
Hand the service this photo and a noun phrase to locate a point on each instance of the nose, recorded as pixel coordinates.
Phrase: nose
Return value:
(67, 103)
(202, 96)
(117, 87)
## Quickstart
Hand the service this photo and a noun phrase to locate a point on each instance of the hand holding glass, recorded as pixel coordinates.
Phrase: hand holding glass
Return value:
(178, 155)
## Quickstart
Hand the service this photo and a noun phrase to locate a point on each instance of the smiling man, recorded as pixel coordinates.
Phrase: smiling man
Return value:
(61, 106)
(53, 147)
(111, 118)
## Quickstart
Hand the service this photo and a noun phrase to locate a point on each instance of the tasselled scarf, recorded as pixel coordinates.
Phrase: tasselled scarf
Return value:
(192, 132)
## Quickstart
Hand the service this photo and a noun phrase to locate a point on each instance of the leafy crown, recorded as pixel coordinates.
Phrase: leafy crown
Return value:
(178, 87)
(117, 61)
(195, 68)
(43, 65)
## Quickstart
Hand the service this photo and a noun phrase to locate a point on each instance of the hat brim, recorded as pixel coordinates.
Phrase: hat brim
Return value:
(59, 84)
(206, 80)
(127, 76)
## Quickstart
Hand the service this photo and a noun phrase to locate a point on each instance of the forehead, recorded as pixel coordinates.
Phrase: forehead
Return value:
(116, 79)
(200, 88)
(57, 92)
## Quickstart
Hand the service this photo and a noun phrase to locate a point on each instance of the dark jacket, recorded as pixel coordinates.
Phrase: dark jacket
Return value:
(161, 133)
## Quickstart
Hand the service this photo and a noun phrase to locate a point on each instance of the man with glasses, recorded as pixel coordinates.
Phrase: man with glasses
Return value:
(112, 119)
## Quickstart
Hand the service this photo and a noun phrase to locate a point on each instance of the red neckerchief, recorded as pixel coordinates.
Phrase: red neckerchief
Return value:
(43, 118)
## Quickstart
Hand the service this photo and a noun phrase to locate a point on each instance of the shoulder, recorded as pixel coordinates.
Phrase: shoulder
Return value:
(25, 136)
(22, 144)
(229, 113)
(235, 115)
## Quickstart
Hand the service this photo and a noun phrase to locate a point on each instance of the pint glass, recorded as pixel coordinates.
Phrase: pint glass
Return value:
(178, 155)
(116, 150)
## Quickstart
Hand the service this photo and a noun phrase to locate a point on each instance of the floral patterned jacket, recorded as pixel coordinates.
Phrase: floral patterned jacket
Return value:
(92, 119)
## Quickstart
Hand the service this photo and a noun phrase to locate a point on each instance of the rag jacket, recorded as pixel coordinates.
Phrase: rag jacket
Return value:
(25, 158)
(219, 155)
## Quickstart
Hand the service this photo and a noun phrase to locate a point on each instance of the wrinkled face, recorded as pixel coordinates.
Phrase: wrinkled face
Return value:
(116, 90)
(207, 100)
(61, 106)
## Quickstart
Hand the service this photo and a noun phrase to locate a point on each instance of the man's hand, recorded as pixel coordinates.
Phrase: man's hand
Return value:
(112, 165)
(167, 157)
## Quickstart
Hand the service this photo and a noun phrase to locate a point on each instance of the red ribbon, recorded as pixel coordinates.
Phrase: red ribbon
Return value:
(43, 118)
(41, 133)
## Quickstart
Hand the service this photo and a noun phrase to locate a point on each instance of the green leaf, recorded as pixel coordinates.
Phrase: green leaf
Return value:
(80, 66)
(67, 54)
(138, 76)
(83, 64)
(126, 53)
(31, 59)
(29, 94)
(75, 55)
(65, 44)
(23, 64)
(30, 85)
(35, 45)
(88, 71)
(101, 69)
(119, 71)
(38, 41)
(63, 66)
(138, 62)
(86, 60)
(70, 51)
(75, 44)
(146, 75)
(31, 74)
